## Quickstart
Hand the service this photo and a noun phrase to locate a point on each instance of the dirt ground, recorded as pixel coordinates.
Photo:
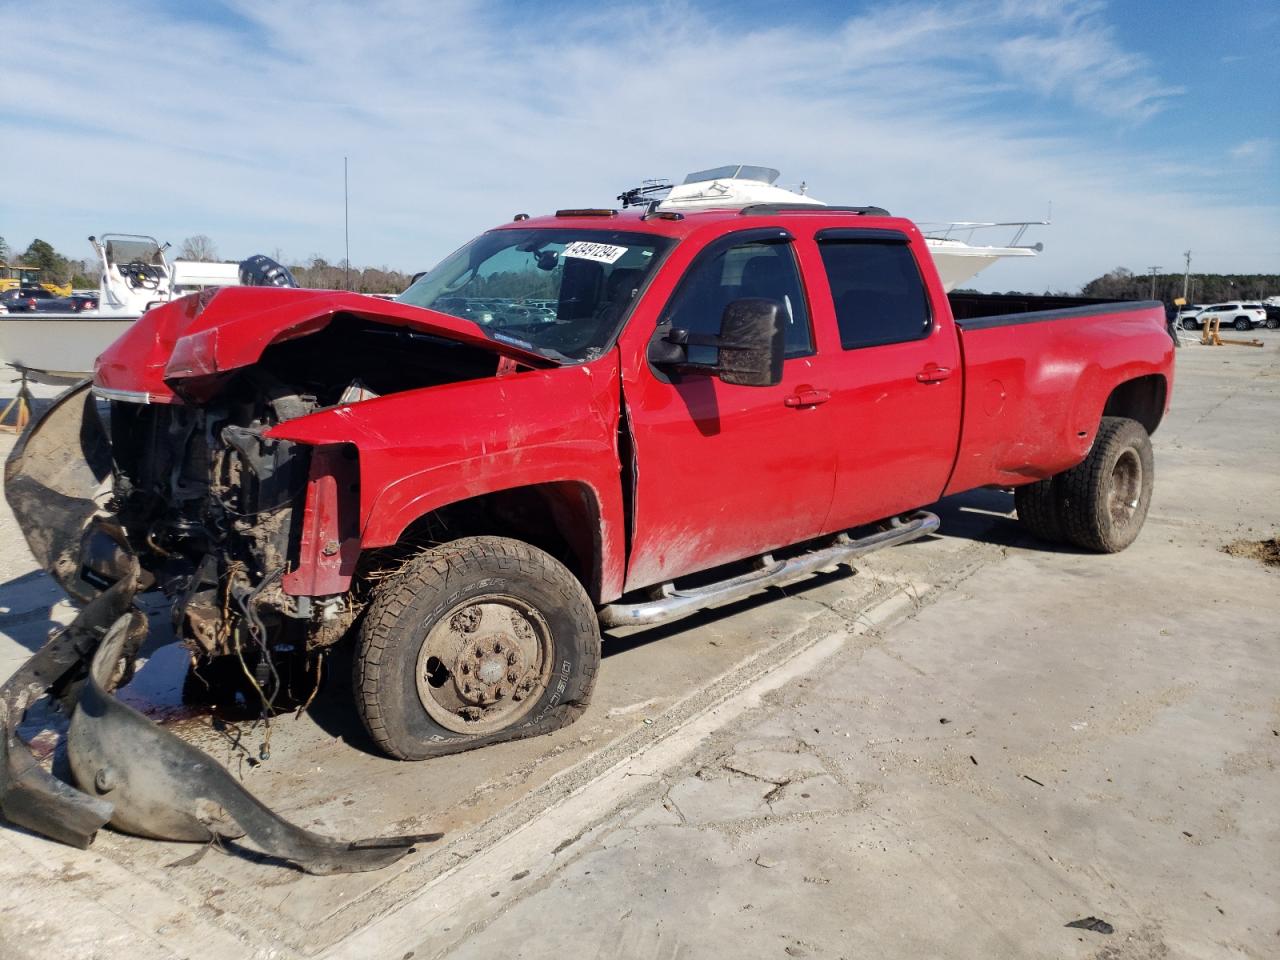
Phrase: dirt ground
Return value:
(958, 750)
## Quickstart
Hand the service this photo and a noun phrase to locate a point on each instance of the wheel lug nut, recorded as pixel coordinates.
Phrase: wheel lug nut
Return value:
(511, 676)
(511, 657)
(497, 647)
(466, 668)
(479, 652)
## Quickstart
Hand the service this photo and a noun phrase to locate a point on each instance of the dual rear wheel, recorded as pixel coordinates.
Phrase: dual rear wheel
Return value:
(1101, 503)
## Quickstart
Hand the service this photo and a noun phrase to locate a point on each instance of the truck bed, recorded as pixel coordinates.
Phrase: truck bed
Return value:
(1038, 381)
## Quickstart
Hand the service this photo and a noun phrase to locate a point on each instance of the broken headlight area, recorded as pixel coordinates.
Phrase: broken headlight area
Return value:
(210, 508)
(255, 540)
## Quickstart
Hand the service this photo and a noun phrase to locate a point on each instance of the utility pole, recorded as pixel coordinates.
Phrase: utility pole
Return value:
(1186, 275)
(1154, 271)
(346, 231)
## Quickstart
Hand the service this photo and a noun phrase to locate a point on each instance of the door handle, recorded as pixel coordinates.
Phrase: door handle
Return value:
(932, 373)
(807, 398)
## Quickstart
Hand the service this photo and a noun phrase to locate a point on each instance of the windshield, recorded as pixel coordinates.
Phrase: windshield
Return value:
(132, 250)
(561, 292)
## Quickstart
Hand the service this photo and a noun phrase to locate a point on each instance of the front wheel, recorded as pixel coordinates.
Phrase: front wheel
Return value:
(1104, 499)
(478, 641)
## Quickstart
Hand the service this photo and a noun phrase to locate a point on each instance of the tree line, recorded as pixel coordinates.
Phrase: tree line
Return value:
(1123, 284)
(53, 266)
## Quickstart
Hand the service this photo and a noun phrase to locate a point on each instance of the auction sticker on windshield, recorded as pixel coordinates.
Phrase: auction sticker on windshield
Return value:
(599, 252)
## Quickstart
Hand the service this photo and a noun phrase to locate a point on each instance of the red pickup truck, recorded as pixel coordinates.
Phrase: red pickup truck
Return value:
(558, 425)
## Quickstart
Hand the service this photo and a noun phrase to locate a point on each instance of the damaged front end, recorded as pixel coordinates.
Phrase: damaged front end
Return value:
(131, 773)
(163, 475)
(118, 494)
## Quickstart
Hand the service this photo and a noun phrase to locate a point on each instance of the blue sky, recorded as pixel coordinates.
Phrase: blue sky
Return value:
(1150, 127)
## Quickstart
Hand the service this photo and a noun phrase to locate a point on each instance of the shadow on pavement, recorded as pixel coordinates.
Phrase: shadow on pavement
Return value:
(27, 603)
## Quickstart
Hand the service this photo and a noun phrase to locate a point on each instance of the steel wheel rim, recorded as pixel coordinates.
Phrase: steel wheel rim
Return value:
(484, 664)
(1125, 491)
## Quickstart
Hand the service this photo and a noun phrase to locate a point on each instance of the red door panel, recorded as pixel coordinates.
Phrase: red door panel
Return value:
(898, 432)
(722, 471)
(725, 472)
(896, 403)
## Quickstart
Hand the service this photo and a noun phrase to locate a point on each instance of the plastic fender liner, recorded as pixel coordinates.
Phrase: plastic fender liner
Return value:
(160, 786)
(29, 795)
(50, 479)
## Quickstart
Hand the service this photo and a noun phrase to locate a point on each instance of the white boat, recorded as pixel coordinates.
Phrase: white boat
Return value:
(134, 276)
(959, 261)
(739, 185)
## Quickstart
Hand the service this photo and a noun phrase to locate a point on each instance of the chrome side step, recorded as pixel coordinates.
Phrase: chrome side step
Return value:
(668, 603)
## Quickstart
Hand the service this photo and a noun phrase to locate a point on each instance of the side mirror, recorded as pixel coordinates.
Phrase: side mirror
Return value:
(750, 345)
(752, 342)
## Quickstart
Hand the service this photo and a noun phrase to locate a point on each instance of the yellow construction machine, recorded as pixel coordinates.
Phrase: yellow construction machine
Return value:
(16, 275)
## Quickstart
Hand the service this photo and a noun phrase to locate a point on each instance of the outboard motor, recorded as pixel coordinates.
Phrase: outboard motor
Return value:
(261, 271)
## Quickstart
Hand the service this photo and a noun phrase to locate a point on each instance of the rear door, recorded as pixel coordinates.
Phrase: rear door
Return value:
(723, 471)
(896, 402)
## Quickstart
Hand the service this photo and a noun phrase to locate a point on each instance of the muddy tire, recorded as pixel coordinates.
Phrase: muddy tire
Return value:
(1103, 501)
(1037, 506)
(479, 641)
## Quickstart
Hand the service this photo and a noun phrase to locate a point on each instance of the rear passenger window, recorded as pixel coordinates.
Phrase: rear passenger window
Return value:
(877, 290)
(747, 270)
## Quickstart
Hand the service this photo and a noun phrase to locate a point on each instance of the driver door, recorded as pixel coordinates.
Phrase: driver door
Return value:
(722, 471)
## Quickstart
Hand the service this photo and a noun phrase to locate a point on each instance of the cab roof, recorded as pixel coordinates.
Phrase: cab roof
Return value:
(684, 223)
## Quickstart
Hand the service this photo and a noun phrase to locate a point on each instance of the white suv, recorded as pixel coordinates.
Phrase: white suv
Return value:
(1242, 316)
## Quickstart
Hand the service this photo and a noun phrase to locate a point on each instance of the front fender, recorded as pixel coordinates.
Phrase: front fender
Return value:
(424, 449)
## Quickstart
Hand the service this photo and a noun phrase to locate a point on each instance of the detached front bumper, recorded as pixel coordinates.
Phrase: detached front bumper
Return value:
(130, 773)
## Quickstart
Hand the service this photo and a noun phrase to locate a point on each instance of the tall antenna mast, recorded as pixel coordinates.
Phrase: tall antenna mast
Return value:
(346, 230)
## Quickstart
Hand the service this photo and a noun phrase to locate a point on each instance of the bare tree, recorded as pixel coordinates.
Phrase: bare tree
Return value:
(198, 247)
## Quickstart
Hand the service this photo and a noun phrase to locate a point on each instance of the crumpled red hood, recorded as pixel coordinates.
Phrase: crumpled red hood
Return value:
(216, 331)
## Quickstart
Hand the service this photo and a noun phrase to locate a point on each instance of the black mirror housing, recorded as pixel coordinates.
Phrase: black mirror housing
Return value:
(752, 343)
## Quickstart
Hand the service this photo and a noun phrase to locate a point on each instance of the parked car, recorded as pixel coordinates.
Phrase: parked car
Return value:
(1239, 314)
(1186, 314)
(36, 300)
(1273, 315)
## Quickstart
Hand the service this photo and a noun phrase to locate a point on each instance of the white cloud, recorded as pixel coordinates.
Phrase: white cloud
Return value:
(1069, 49)
(456, 116)
(1259, 149)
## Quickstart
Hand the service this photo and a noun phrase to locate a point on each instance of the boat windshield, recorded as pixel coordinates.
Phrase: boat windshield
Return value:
(132, 250)
(562, 292)
(736, 171)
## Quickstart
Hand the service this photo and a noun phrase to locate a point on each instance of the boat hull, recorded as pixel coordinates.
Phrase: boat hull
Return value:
(57, 348)
(958, 262)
